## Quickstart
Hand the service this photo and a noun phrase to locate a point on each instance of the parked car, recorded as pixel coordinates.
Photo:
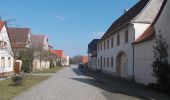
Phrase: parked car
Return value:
(81, 66)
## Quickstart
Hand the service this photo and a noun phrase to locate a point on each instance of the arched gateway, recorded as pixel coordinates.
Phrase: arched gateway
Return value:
(122, 65)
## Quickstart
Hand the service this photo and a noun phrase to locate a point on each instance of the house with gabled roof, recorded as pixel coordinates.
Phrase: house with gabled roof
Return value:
(40, 47)
(21, 45)
(115, 49)
(6, 53)
(20, 38)
(92, 54)
(143, 45)
(62, 58)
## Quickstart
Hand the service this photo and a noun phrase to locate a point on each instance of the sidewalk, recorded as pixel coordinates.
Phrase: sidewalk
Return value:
(117, 85)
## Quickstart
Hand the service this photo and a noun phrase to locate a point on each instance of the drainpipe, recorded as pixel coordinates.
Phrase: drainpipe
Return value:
(133, 54)
(133, 63)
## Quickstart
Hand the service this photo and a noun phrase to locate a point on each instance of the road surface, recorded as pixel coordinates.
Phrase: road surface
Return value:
(72, 84)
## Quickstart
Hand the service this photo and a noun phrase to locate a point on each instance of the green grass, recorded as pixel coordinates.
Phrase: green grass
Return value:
(7, 91)
(50, 70)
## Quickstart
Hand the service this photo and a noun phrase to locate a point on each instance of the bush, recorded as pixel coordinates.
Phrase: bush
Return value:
(17, 80)
(161, 67)
(25, 66)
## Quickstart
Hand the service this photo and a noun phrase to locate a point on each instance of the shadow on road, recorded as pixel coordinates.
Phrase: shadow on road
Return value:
(113, 85)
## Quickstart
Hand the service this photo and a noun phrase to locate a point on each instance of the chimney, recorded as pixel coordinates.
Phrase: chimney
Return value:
(126, 10)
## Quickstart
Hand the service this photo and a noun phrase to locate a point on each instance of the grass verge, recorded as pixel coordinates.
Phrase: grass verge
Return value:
(50, 70)
(7, 91)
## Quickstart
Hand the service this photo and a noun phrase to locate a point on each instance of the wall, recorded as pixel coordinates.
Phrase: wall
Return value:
(113, 52)
(139, 29)
(37, 65)
(162, 26)
(6, 53)
(143, 60)
(92, 63)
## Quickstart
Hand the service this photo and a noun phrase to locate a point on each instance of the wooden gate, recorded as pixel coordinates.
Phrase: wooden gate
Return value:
(16, 67)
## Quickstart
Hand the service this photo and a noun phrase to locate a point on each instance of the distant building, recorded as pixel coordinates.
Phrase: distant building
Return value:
(84, 59)
(41, 52)
(6, 53)
(63, 59)
(92, 54)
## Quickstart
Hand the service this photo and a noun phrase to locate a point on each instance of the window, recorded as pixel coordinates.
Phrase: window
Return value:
(118, 40)
(1, 44)
(104, 62)
(101, 61)
(3, 62)
(5, 44)
(112, 42)
(108, 44)
(104, 45)
(111, 61)
(9, 62)
(108, 62)
(101, 46)
(98, 48)
(126, 36)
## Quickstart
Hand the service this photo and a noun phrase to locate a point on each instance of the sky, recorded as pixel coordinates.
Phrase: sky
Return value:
(69, 24)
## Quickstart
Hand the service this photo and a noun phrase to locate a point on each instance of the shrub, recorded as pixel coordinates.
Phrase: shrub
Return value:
(161, 67)
(17, 80)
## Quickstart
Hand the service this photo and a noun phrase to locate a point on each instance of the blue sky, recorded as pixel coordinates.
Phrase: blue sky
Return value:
(69, 24)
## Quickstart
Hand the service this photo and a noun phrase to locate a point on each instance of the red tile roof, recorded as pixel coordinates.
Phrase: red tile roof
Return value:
(18, 36)
(148, 34)
(59, 53)
(84, 59)
(150, 31)
(2, 23)
(126, 17)
(37, 41)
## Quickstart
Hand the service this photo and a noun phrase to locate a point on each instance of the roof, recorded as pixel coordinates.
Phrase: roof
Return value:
(18, 36)
(148, 34)
(84, 59)
(126, 17)
(93, 45)
(94, 54)
(59, 53)
(150, 31)
(37, 41)
(2, 23)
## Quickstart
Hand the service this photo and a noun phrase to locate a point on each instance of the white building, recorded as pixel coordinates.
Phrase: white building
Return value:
(6, 54)
(143, 46)
(65, 60)
(41, 52)
(115, 50)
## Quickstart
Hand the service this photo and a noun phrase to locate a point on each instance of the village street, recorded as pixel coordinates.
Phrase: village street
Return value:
(73, 83)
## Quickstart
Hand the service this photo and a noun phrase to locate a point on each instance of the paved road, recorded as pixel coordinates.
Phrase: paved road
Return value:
(71, 84)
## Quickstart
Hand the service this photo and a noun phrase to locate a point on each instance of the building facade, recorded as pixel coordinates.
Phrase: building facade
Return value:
(115, 50)
(41, 52)
(92, 54)
(6, 53)
(144, 55)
